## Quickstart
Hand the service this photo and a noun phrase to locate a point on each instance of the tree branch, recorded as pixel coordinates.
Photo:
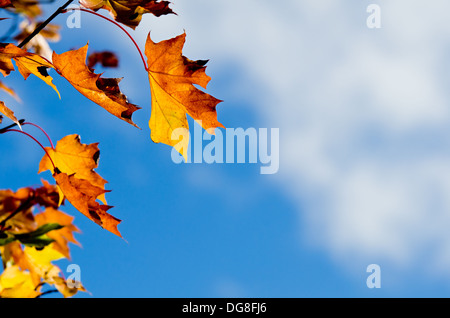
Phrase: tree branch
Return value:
(44, 24)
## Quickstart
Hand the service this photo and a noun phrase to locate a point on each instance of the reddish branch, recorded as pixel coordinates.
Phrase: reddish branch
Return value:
(41, 129)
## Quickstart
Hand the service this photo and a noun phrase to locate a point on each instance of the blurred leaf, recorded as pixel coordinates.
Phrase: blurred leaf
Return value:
(62, 236)
(105, 58)
(8, 113)
(15, 283)
(129, 12)
(37, 241)
(7, 240)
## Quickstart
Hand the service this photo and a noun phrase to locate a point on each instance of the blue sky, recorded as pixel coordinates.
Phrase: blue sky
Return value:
(364, 137)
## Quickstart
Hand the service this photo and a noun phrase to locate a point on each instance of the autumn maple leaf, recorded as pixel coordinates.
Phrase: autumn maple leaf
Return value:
(39, 264)
(129, 12)
(73, 157)
(72, 164)
(16, 215)
(27, 63)
(62, 236)
(29, 243)
(15, 283)
(102, 91)
(82, 194)
(172, 76)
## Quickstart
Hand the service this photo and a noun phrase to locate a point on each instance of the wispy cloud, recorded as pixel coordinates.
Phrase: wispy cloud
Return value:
(363, 114)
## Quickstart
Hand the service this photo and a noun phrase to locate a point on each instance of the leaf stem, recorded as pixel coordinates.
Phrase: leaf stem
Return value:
(44, 24)
(118, 25)
(41, 129)
(35, 140)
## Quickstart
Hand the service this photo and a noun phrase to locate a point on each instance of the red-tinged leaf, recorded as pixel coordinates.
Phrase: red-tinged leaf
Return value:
(82, 194)
(102, 91)
(129, 12)
(72, 157)
(105, 59)
(172, 77)
(4, 4)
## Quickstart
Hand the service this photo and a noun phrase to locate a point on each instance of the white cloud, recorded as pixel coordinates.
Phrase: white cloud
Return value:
(352, 104)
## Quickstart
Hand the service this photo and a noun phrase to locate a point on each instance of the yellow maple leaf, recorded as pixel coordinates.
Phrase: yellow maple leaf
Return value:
(15, 283)
(172, 77)
(72, 157)
(27, 63)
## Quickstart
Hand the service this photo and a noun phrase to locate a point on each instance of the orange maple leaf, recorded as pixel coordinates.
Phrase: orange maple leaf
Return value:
(82, 194)
(27, 63)
(16, 211)
(16, 208)
(102, 91)
(15, 283)
(172, 76)
(62, 236)
(72, 157)
(129, 12)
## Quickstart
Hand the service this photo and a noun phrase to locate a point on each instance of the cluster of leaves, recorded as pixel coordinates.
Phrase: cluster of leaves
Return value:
(30, 242)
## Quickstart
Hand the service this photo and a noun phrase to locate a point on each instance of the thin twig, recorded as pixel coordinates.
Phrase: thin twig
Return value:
(47, 292)
(44, 24)
(41, 129)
